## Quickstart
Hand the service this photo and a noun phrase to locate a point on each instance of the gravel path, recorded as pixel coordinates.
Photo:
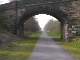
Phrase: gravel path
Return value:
(47, 49)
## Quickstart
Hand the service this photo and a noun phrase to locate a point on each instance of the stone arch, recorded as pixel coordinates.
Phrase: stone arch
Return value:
(53, 11)
(43, 9)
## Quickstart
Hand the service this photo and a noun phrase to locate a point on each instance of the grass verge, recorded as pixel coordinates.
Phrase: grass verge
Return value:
(19, 50)
(73, 47)
(54, 34)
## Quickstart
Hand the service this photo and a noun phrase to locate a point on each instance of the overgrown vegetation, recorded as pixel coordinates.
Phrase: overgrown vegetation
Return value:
(19, 50)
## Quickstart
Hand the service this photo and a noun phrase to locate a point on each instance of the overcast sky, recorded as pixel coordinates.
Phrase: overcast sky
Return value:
(4, 1)
(43, 19)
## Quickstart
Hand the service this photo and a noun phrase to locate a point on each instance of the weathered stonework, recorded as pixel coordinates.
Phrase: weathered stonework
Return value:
(66, 11)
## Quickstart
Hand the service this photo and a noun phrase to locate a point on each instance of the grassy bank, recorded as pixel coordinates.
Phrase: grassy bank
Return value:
(73, 47)
(19, 50)
(54, 34)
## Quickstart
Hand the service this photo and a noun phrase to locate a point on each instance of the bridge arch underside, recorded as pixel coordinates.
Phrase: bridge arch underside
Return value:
(32, 11)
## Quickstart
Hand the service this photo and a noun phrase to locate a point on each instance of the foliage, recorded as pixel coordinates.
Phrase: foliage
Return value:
(31, 25)
(52, 26)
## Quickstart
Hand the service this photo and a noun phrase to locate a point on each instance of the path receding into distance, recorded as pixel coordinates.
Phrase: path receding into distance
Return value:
(47, 49)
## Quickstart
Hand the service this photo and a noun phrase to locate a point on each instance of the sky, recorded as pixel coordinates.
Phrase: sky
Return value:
(43, 19)
(4, 1)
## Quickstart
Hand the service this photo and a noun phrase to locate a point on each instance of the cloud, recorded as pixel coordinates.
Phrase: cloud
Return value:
(4, 1)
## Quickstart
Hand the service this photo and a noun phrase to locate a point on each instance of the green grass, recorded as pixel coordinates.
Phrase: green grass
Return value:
(33, 34)
(55, 34)
(73, 47)
(19, 50)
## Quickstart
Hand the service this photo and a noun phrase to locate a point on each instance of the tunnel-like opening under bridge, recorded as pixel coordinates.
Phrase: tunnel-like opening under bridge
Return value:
(50, 9)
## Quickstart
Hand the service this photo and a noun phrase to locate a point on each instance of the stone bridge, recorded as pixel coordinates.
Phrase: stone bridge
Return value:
(63, 10)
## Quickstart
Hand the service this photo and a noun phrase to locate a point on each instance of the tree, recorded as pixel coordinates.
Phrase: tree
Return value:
(52, 26)
(31, 25)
